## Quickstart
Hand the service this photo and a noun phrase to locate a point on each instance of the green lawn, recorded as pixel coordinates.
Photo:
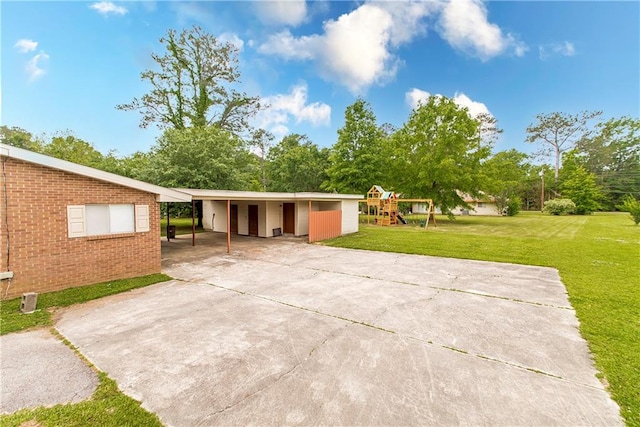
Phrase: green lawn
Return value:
(598, 257)
(183, 226)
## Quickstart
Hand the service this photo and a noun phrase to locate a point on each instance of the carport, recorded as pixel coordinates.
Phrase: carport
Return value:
(270, 214)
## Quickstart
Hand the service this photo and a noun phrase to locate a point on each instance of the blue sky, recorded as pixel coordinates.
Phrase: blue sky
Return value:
(66, 65)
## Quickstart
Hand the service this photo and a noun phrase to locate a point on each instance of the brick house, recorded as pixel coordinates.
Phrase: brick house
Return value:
(65, 225)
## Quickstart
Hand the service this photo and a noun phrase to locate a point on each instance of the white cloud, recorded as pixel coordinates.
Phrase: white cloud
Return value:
(34, 66)
(564, 48)
(107, 7)
(415, 96)
(231, 38)
(25, 45)
(283, 107)
(464, 25)
(356, 49)
(284, 12)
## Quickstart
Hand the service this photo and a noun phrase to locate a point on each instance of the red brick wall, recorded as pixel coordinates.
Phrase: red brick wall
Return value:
(42, 257)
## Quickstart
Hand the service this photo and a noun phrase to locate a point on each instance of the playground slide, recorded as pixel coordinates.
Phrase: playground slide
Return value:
(402, 220)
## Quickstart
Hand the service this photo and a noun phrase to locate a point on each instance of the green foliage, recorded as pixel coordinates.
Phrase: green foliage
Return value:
(107, 407)
(632, 205)
(193, 87)
(296, 164)
(506, 172)
(513, 206)
(207, 157)
(613, 156)
(580, 186)
(437, 153)
(559, 207)
(356, 159)
(18, 137)
(597, 257)
(12, 320)
(73, 149)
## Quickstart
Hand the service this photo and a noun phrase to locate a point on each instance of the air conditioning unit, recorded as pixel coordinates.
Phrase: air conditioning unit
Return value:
(29, 301)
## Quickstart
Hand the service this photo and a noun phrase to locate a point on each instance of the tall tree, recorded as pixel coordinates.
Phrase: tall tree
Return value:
(262, 140)
(356, 159)
(558, 132)
(296, 164)
(506, 172)
(437, 154)
(194, 85)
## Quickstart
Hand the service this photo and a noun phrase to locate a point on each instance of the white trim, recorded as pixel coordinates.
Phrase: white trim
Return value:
(162, 194)
(198, 194)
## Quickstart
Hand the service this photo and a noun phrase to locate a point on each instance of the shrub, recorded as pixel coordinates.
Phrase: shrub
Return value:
(513, 206)
(559, 207)
(631, 205)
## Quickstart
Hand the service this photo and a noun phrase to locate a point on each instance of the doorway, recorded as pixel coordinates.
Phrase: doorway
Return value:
(234, 219)
(289, 218)
(253, 220)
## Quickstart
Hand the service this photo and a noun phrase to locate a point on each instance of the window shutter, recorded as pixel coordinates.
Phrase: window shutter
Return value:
(142, 218)
(76, 223)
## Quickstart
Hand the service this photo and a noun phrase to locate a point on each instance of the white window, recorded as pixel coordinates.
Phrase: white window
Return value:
(481, 204)
(94, 220)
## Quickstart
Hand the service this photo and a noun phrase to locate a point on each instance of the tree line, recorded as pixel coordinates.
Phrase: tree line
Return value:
(440, 152)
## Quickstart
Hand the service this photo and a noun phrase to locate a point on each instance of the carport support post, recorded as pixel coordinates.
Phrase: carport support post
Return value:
(168, 238)
(193, 222)
(228, 226)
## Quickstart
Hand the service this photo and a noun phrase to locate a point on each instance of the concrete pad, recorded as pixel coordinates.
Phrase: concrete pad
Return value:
(39, 370)
(288, 333)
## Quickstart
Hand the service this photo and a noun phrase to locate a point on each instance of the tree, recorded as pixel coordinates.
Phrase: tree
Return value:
(437, 154)
(356, 159)
(580, 186)
(262, 140)
(19, 137)
(73, 149)
(506, 172)
(206, 157)
(632, 205)
(612, 154)
(558, 132)
(296, 164)
(193, 87)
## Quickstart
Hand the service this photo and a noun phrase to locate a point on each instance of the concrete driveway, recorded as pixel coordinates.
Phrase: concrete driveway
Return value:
(281, 332)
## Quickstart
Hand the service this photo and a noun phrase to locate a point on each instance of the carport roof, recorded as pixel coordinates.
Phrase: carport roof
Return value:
(197, 194)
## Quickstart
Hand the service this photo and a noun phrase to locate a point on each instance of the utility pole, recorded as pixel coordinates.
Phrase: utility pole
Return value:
(542, 191)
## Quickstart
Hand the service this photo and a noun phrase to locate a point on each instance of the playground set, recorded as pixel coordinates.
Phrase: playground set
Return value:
(385, 207)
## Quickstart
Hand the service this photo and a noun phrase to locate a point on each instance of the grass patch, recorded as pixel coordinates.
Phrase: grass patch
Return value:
(107, 407)
(183, 226)
(598, 257)
(12, 320)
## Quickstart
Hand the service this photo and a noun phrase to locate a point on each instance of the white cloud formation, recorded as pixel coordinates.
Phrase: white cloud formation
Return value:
(26, 45)
(283, 107)
(34, 66)
(464, 25)
(283, 12)
(564, 48)
(415, 96)
(356, 49)
(231, 38)
(107, 8)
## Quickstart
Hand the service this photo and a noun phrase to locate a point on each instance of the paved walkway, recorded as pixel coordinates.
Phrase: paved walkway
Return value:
(285, 333)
